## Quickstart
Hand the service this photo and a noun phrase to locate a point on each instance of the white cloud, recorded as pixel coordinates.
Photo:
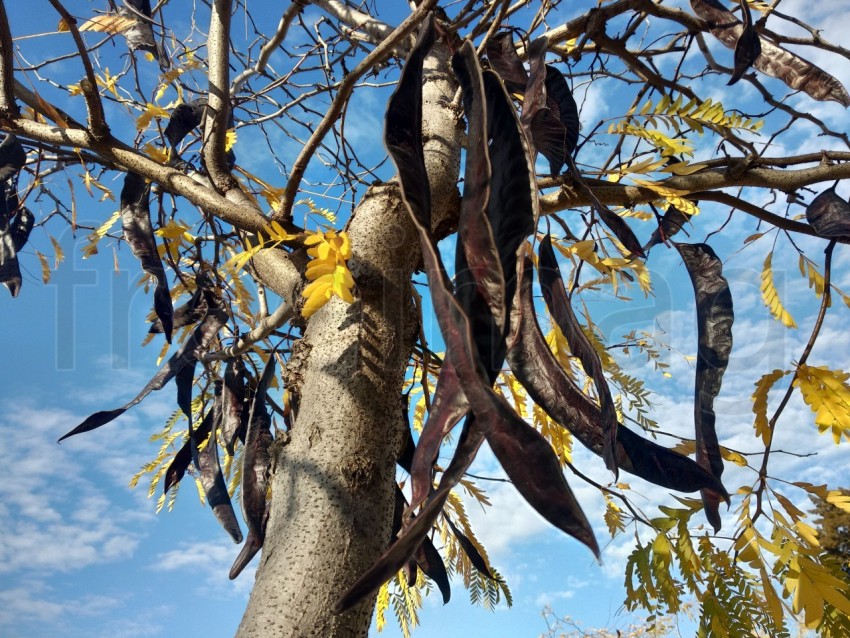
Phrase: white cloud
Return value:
(212, 560)
(550, 598)
(56, 517)
(34, 605)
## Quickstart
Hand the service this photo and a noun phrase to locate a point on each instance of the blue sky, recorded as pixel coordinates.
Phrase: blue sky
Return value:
(81, 554)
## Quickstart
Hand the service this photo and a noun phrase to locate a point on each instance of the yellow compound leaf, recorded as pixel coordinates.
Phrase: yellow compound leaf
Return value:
(229, 139)
(324, 212)
(381, 606)
(689, 446)
(826, 392)
(666, 145)
(682, 168)
(613, 517)
(770, 296)
(816, 280)
(673, 196)
(759, 397)
(328, 270)
(167, 80)
(812, 585)
(91, 248)
(89, 181)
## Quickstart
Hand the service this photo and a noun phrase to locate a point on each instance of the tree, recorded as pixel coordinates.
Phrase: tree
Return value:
(338, 309)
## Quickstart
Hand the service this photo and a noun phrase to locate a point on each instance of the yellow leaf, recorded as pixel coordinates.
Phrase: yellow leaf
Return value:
(229, 139)
(770, 296)
(157, 153)
(45, 267)
(682, 168)
(826, 392)
(91, 248)
(276, 232)
(816, 280)
(668, 146)
(108, 82)
(175, 229)
(317, 268)
(314, 238)
(381, 605)
(51, 111)
(319, 286)
(759, 397)
(327, 270)
(673, 196)
(839, 500)
(239, 260)
(808, 533)
(324, 212)
(151, 111)
(166, 80)
(109, 23)
(689, 446)
(58, 253)
(663, 104)
(318, 298)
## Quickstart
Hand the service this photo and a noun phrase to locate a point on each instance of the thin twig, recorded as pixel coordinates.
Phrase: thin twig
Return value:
(378, 54)
(825, 303)
(97, 118)
(756, 211)
(269, 47)
(283, 313)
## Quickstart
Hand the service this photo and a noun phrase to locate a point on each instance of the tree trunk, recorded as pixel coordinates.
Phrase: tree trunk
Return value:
(332, 489)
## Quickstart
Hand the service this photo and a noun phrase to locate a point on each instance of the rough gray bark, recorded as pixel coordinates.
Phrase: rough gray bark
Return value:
(332, 490)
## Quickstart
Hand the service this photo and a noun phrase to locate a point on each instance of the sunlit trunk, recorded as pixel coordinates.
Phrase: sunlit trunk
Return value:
(332, 492)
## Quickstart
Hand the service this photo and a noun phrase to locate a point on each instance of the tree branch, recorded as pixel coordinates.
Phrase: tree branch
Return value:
(709, 180)
(578, 26)
(824, 304)
(759, 213)
(263, 329)
(269, 47)
(218, 99)
(37, 103)
(378, 54)
(97, 119)
(245, 217)
(8, 106)
(375, 29)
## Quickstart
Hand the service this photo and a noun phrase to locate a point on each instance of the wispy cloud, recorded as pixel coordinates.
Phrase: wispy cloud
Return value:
(56, 513)
(210, 560)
